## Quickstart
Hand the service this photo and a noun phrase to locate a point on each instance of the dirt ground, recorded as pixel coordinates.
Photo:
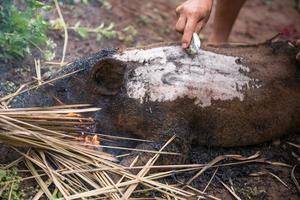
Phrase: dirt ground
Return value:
(153, 22)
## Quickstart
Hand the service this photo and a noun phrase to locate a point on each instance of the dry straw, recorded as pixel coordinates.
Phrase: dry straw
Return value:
(51, 135)
(61, 162)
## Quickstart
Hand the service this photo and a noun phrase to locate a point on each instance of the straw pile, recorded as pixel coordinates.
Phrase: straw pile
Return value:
(61, 160)
(67, 162)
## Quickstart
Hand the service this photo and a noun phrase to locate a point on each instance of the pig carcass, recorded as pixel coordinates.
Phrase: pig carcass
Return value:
(224, 96)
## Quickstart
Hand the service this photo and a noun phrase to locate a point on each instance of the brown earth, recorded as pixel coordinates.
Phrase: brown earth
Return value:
(154, 21)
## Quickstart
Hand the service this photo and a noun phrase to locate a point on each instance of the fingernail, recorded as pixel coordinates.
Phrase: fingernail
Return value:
(184, 45)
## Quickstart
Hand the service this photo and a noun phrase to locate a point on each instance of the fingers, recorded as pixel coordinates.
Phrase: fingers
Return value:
(189, 29)
(178, 9)
(199, 26)
(180, 24)
(192, 16)
(298, 56)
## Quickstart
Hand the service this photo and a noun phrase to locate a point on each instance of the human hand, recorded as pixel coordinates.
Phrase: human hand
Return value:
(192, 17)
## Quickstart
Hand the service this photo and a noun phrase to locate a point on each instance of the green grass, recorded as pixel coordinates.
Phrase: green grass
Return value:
(21, 30)
(9, 185)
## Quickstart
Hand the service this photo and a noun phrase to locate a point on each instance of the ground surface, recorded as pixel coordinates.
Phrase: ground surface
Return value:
(153, 22)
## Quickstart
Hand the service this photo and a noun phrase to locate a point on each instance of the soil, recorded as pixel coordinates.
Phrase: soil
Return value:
(153, 22)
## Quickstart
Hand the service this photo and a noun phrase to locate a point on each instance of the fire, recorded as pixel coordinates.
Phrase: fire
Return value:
(88, 140)
(95, 140)
(85, 122)
(81, 119)
(72, 114)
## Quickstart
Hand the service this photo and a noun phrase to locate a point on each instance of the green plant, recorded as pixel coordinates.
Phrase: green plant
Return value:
(128, 34)
(101, 31)
(57, 194)
(143, 19)
(251, 192)
(104, 3)
(8, 87)
(23, 29)
(9, 185)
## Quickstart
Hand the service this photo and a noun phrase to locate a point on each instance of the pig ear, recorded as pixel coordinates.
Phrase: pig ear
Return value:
(108, 75)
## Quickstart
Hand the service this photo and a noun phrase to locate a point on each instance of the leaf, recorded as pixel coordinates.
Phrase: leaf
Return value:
(98, 36)
(37, 4)
(49, 55)
(101, 26)
(83, 32)
(77, 25)
(57, 24)
(130, 30)
(21, 29)
(110, 26)
(50, 43)
(110, 34)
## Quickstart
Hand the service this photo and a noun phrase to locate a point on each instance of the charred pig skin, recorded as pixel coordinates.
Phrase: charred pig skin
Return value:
(225, 96)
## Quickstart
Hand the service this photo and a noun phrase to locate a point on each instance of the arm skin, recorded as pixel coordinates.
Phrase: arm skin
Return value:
(192, 17)
(226, 14)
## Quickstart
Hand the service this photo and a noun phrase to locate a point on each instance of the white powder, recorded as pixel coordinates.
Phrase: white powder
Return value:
(168, 73)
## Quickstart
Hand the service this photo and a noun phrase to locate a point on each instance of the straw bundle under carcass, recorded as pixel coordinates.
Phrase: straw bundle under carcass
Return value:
(57, 143)
(65, 157)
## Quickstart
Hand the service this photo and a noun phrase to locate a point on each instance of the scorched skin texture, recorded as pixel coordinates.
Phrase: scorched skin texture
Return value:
(225, 96)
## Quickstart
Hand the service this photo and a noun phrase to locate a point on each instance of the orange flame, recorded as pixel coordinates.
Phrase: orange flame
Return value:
(72, 114)
(95, 140)
(87, 140)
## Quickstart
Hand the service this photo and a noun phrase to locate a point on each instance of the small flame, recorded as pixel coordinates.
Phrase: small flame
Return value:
(87, 140)
(72, 114)
(95, 140)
